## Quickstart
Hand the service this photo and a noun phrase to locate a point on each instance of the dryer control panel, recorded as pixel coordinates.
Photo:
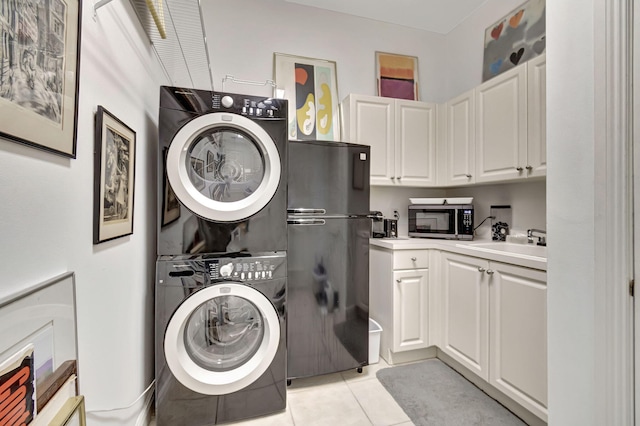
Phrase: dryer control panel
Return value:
(252, 106)
(246, 269)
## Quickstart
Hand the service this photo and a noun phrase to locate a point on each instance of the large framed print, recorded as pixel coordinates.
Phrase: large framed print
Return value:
(39, 61)
(311, 87)
(114, 182)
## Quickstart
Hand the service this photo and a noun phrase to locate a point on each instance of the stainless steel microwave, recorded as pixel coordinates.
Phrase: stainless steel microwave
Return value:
(447, 221)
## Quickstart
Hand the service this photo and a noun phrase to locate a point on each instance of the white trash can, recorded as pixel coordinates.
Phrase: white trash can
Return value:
(374, 341)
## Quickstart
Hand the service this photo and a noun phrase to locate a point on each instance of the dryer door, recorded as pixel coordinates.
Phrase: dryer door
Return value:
(223, 167)
(222, 338)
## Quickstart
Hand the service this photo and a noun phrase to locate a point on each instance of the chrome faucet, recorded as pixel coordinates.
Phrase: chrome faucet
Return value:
(542, 239)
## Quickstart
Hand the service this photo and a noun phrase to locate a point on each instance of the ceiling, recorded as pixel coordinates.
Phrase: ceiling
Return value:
(184, 56)
(439, 16)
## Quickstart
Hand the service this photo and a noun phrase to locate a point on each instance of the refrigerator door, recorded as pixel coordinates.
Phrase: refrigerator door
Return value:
(328, 295)
(329, 178)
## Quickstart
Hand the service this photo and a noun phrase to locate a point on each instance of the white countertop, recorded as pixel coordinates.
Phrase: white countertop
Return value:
(530, 256)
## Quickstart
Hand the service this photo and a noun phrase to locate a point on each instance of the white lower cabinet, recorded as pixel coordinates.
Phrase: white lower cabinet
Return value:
(465, 311)
(494, 323)
(399, 299)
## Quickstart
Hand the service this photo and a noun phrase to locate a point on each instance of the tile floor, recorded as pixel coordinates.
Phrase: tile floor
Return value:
(346, 398)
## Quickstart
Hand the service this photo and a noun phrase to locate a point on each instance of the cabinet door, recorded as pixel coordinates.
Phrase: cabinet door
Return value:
(410, 309)
(461, 145)
(537, 111)
(518, 330)
(501, 126)
(465, 316)
(370, 121)
(415, 138)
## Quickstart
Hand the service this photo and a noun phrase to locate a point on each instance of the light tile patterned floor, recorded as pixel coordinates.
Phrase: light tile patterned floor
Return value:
(347, 398)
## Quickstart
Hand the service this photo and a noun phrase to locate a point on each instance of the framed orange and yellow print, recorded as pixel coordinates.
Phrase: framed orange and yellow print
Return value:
(397, 76)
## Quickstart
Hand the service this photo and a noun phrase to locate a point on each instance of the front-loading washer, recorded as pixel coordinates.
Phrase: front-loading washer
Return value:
(222, 172)
(220, 337)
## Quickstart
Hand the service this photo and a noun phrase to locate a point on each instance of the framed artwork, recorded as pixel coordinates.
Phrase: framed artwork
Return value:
(514, 39)
(397, 76)
(72, 413)
(310, 86)
(40, 73)
(17, 388)
(114, 183)
(170, 203)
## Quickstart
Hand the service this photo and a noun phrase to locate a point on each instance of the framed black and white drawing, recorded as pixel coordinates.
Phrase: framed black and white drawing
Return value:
(114, 168)
(39, 59)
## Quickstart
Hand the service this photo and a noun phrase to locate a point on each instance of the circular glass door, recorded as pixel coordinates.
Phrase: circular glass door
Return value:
(223, 167)
(222, 338)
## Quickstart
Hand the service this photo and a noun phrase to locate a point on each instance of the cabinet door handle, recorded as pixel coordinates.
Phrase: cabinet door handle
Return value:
(519, 169)
(490, 271)
(398, 281)
(529, 168)
(481, 269)
(414, 259)
(468, 176)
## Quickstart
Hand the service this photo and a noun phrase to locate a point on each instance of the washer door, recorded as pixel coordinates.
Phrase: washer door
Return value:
(222, 338)
(223, 167)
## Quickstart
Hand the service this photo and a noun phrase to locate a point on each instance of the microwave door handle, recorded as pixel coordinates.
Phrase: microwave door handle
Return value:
(455, 231)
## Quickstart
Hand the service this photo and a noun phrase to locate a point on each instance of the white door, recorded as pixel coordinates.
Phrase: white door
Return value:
(465, 315)
(410, 309)
(415, 143)
(223, 167)
(518, 335)
(461, 144)
(371, 122)
(501, 126)
(222, 338)
(537, 112)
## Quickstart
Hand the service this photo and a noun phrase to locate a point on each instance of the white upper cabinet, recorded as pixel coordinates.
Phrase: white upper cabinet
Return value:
(511, 124)
(401, 134)
(501, 126)
(537, 111)
(460, 146)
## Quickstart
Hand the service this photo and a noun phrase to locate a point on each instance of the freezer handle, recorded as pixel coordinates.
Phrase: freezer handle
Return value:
(302, 221)
(306, 211)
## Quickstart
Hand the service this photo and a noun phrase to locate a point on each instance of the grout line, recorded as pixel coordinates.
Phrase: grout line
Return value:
(358, 401)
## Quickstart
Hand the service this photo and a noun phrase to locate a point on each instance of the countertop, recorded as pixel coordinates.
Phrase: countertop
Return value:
(486, 249)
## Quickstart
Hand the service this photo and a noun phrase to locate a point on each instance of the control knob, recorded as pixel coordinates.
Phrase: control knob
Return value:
(227, 101)
(226, 270)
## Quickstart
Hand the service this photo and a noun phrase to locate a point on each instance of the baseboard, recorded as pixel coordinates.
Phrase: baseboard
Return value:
(517, 409)
(394, 358)
(144, 418)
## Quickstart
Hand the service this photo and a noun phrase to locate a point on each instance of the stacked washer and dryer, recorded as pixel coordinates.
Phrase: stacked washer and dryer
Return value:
(221, 272)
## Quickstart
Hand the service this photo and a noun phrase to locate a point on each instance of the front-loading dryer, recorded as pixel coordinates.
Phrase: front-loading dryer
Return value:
(220, 337)
(222, 180)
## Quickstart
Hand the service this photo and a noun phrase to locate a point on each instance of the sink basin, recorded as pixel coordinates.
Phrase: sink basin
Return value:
(517, 249)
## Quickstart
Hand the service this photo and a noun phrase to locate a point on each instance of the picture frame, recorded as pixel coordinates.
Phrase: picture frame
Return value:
(39, 85)
(311, 88)
(514, 39)
(397, 76)
(114, 180)
(170, 203)
(72, 413)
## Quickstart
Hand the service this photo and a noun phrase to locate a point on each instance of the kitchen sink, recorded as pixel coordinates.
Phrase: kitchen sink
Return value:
(511, 248)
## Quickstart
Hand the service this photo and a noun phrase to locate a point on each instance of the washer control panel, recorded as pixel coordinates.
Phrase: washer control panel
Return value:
(251, 106)
(246, 268)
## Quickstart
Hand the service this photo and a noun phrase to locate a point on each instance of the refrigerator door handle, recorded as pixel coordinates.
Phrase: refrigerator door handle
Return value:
(302, 221)
(306, 211)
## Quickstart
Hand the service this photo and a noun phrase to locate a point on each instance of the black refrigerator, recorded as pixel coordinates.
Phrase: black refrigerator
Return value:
(328, 228)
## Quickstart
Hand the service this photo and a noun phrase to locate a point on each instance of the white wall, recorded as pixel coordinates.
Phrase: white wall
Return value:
(571, 143)
(242, 36)
(46, 219)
